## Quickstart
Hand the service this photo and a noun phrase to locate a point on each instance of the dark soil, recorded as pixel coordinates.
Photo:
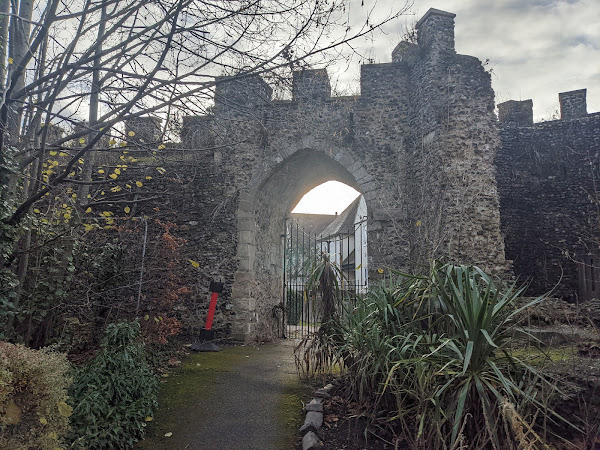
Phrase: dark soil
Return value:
(344, 427)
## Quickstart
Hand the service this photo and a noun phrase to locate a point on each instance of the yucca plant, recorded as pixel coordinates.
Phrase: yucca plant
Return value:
(316, 354)
(469, 321)
(429, 353)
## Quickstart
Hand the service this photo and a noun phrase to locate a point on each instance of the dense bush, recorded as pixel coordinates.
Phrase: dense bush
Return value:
(33, 395)
(429, 354)
(114, 394)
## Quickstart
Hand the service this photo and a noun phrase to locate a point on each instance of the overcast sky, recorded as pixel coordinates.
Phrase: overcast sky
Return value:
(536, 48)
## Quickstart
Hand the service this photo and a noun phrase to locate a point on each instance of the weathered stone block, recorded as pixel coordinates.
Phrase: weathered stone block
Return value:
(311, 441)
(312, 422)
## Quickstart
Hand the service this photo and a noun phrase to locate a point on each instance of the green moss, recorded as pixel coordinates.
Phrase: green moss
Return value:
(541, 357)
(290, 413)
(189, 385)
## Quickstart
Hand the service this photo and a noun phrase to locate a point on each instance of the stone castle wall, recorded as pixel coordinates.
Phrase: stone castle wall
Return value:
(548, 178)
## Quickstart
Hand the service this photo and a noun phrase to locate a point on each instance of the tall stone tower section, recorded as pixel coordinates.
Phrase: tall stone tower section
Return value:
(454, 137)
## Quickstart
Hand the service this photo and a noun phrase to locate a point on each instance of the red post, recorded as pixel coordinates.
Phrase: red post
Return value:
(211, 310)
(216, 288)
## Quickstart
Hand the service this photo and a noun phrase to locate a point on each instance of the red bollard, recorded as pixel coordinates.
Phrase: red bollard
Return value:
(211, 309)
(203, 344)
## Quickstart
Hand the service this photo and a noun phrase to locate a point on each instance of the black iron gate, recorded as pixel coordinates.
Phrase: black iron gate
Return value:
(303, 249)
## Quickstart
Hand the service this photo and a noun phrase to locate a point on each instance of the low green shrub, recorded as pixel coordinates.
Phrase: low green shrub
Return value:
(114, 394)
(33, 396)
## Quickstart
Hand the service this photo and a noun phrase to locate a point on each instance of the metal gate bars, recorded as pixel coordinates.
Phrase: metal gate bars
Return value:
(303, 249)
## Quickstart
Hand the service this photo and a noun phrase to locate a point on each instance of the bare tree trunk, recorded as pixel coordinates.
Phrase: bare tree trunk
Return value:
(20, 28)
(5, 13)
(88, 164)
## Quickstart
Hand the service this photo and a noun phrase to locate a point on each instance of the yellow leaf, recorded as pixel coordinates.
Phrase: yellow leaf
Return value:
(148, 178)
(43, 421)
(71, 174)
(118, 171)
(67, 216)
(160, 318)
(380, 270)
(64, 409)
(161, 147)
(122, 157)
(123, 144)
(164, 375)
(113, 176)
(53, 435)
(107, 213)
(82, 140)
(52, 153)
(156, 320)
(146, 317)
(138, 183)
(37, 211)
(194, 263)
(88, 227)
(102, 193)
(131, 134)
(161, 170)
(73, 195)
(80, 160)
(418, 224)
(148, 419)
(112, 142)
(127, 210)
(101, 171)
(63, 154)
(128, 186)
(10, 60)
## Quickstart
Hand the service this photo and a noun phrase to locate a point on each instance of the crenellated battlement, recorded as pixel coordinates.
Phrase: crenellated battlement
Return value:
(573, 104)
(435, 37)
(240, 93)
(311, 85)
(516, 113)
(519, 113)
(435, 32)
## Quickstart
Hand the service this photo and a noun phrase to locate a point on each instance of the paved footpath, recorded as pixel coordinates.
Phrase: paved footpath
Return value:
(239, 398)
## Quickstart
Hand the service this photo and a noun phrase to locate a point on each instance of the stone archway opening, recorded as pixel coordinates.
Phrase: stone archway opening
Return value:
(329, 222)
(262, 219)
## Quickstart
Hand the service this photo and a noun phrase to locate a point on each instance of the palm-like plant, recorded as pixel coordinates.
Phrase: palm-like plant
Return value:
(317, 352)
(432, 351)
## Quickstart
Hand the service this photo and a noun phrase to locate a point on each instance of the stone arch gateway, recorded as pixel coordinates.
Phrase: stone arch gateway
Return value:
(418, 142)
(261, 217)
